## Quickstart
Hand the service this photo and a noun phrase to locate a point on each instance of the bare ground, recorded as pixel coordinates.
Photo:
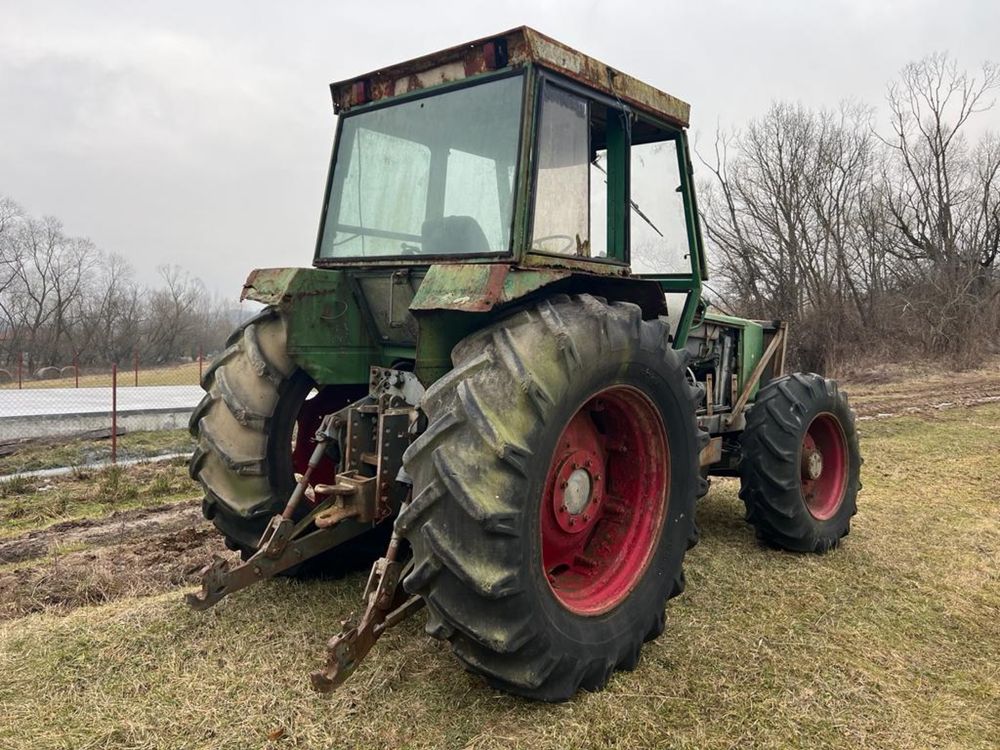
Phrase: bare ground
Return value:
(90, 561)
(895, 392)
(117, 528)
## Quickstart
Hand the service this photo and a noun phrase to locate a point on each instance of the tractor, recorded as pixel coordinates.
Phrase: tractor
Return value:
(499, 381)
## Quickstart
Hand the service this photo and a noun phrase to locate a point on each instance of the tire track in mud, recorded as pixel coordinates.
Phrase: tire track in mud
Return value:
(902, 398)
(119, 527)
(133, 553)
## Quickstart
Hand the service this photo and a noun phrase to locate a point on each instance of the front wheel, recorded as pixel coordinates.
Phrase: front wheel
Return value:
(800, 464)
(553, 495)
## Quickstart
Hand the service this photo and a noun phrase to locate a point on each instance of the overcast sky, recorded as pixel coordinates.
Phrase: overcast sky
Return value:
(198, 133)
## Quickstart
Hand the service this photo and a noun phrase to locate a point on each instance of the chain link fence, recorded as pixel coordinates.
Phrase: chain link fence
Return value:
(114, 412)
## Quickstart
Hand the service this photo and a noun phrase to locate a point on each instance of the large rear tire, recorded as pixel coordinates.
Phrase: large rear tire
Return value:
(254, 428)
(553, 495)
(800, 464)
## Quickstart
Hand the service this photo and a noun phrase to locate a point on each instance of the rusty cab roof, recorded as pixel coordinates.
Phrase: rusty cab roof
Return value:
(509, 50)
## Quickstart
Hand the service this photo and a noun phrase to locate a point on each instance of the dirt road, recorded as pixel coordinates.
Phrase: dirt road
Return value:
(896, 392)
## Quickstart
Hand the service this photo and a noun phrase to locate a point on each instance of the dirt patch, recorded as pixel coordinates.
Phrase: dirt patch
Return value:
(874, 398)
(118, 528)
(91, 561)
(155, 560)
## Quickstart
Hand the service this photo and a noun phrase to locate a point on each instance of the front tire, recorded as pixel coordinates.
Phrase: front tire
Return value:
(800, 465)
(572, 412)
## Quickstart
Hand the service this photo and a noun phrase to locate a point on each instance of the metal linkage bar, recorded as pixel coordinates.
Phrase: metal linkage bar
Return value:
(386, 605)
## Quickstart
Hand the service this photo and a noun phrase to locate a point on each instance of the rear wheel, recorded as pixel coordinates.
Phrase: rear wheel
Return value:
(254, 429)
(800, 467)
(554, 492)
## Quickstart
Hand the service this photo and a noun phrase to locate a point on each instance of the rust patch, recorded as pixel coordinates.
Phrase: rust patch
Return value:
(516, 48)
(478, 287)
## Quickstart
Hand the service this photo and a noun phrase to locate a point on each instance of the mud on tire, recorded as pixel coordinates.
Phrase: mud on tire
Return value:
(244, 426)
(479, 473)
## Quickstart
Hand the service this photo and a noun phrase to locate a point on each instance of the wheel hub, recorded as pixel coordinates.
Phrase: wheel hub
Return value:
(577, 492)
(605, 499)
(812, 464)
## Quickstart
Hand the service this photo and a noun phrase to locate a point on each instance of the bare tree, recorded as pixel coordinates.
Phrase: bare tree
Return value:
(112, 313)
(935, 180)
(943, 195)
(10, 216)
(863, 241)
(173, 314)
(61, 297)
(785, 218)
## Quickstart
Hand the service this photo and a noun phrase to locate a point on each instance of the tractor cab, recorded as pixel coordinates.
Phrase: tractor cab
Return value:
(517, 151)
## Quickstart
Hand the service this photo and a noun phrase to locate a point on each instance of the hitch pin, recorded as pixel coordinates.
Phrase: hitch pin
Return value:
(322, 436)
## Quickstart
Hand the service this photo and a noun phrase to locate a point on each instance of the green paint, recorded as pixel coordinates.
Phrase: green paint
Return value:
(751, 346)
(440, 331)
(618, 180)
(695, 239)
(695, 248)
(477, 287)
(328, 335)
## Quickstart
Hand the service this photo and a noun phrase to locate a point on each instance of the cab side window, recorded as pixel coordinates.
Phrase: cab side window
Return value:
(608, 184)
(562, 181)
(657, 218)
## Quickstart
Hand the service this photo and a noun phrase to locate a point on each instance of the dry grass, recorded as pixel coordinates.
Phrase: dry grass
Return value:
(181, 374)
(889, 642)
(34, 503)
(57, 453)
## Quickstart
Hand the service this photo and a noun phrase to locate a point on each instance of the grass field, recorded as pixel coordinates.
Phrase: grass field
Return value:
(180, 374)
(891, 641)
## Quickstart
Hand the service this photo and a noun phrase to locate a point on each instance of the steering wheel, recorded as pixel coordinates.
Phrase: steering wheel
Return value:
(570, 245)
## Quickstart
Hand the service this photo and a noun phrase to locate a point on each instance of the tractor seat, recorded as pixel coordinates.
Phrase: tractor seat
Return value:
(452, 235)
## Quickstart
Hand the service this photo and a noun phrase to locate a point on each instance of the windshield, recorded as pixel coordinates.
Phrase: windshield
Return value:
(428, 176)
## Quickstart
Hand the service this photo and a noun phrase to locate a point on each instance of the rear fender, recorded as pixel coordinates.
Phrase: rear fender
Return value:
(328, 335)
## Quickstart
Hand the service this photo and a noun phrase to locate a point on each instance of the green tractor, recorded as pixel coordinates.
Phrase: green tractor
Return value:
(500, 379)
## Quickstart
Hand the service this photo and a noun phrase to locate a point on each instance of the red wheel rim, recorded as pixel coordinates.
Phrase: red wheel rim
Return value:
(823, 466)
(604, 501)
(316, 405)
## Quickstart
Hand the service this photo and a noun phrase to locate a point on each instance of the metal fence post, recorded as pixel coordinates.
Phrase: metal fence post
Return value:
(136, 358)
(114, 413)
(76, 368)
(201, 361)
(20, 368)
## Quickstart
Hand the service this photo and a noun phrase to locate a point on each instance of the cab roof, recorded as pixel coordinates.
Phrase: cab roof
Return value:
(509, 50)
